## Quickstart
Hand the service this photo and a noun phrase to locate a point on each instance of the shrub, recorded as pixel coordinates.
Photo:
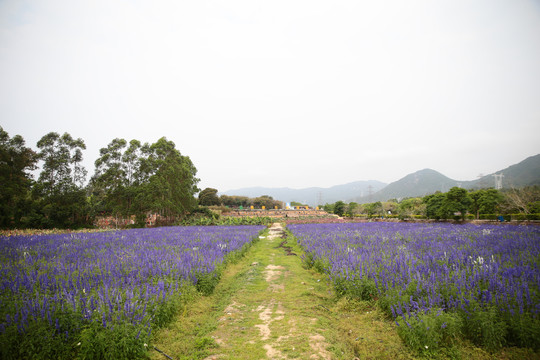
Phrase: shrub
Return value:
(523, 330)
(427, 332)
(485, 327)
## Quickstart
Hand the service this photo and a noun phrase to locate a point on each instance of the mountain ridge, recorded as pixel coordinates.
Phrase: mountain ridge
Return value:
(313, 195)
(419, 183)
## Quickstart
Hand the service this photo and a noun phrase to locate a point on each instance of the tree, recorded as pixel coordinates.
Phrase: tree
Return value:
(485, 201)
(375, 208)
(411, 206)
(209, 197)
(457, 201)
(339, 208)
(236, 201)
(16, 162)
(62, 170)
(109, 179)
(435, 205)
(267, 201)
(59, 190)
(139, 179)
(168, 182)
(522, 200)
(329, 208)
(117, 176)
(351, 208)
(390, 206)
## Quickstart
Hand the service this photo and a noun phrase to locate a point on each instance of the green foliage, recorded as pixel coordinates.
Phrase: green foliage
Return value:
(114, 178)
(457, 201)
(170, 183)
(205, 343)
(375, 208)
(16, 162)
(46, 342)
(485, 201)
(308, 260)
(207, 282)
(435, 206)
(525, 200)
(339, 208)
(225, 220)
(123, 341)
(409, 207)
(62, 170)
(60, 199)
(427, 332)
(485, 327)
(321, 265)
(208, 197)
(329, 208)
(140, 179)
(358, 288)
(523, 330)
(236, 201)
(267, 201)
(351, 208)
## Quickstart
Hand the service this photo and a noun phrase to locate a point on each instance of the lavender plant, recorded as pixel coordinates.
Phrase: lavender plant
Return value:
(101, 294)
(487, 276)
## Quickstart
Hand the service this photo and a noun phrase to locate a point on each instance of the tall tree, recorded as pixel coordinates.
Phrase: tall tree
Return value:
(339, 208)
(111, 178)
(457, 201)
(485, 201)
(62, 156)
(16, 162)
(167, 179)
(60, 184)
(435, 205)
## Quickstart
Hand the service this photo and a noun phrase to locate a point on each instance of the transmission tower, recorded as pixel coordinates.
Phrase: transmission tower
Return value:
(498, 181)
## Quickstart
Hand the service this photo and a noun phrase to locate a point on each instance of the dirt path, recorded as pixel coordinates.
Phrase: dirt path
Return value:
(269, 307)
(265, 313)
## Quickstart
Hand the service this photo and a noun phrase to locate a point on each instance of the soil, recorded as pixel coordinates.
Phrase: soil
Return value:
(274, 318)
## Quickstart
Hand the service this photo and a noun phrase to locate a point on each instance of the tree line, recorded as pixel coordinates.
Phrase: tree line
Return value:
(130, 178)
(209, 197)
(457, 203)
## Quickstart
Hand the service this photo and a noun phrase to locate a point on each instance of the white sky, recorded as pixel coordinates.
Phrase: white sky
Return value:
(281, 93)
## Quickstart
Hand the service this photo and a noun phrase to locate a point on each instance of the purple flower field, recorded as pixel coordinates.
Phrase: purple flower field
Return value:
(415, 269)
(66, 282)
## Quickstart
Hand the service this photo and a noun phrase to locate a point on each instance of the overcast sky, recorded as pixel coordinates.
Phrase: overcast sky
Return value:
(281, 93)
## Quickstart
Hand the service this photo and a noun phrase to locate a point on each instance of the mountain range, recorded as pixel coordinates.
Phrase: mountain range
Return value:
(419, 183)
(314, 195)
